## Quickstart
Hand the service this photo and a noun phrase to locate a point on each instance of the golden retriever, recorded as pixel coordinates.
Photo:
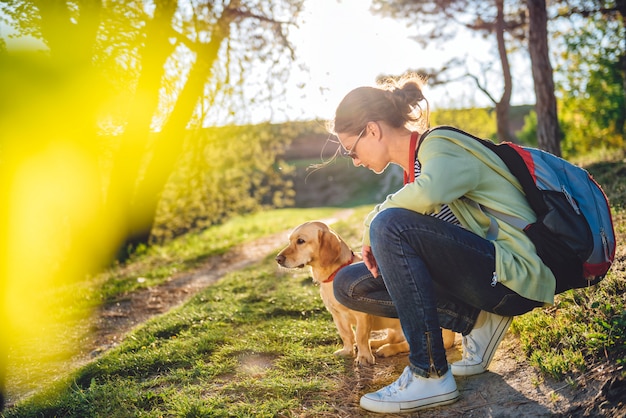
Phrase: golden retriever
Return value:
(316, 245)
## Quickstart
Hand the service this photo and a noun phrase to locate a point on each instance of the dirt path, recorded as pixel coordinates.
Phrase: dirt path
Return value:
(115, 320)
(512, 388)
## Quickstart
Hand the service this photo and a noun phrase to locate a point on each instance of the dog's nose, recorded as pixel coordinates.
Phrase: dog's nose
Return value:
(280, 259)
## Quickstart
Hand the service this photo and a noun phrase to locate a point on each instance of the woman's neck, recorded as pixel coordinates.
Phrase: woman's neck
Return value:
(399, 149)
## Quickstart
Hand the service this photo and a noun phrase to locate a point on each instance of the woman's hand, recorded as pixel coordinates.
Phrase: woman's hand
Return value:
(369, 260)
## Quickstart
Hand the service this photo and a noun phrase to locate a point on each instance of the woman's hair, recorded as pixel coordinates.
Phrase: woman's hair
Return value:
(395, 101)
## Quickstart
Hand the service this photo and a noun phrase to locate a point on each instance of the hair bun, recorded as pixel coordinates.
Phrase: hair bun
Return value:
(412, 92)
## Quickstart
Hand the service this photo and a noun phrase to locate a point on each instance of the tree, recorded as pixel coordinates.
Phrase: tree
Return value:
(503, 106)
(117, 90)
(179, 56)
(548, 133)
(477, 16)
(592, 73)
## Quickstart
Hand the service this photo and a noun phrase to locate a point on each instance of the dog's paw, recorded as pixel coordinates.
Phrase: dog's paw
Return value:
(386, 351)
(344, 352)
(365, 360)
(389, 350)
(376, 344)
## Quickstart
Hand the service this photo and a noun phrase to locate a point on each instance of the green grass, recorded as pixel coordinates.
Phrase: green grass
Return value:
(585, 327)
(259, 342)
(37, 361)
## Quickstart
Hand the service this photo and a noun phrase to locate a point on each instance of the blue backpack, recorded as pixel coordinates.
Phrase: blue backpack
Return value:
(574, 233)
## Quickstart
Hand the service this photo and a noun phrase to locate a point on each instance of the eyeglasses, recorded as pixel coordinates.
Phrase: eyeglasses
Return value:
(352, 151)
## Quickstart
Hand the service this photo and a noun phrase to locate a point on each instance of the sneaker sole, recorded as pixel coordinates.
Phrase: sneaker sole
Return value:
(498, 336)
(400, 407)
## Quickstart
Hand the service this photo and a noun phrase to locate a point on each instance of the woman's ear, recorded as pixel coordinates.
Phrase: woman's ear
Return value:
(374, 129)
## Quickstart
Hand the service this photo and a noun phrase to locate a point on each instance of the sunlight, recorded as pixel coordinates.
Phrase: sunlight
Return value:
(345, 46)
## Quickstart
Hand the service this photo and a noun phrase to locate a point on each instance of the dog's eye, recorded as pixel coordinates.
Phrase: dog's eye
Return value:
(300, 241)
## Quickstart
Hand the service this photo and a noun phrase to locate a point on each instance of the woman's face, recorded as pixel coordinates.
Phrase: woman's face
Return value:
(365, 148)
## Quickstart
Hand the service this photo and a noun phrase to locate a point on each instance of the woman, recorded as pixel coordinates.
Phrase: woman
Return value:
(423, 269)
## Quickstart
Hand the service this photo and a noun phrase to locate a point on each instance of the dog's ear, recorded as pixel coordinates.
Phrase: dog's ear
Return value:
(330, 247)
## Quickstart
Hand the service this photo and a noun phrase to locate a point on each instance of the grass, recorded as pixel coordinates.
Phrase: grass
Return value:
(43, 357)
(255, 344)
(582, 329)
(258, 342)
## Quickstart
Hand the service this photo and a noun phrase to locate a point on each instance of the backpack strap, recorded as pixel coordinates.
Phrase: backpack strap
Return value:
(409, 177)
(492, 232)
(517, 166)
(519, 223)
(508, 153)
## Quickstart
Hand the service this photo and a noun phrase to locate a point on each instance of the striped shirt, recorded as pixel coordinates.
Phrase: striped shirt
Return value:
(445, 214)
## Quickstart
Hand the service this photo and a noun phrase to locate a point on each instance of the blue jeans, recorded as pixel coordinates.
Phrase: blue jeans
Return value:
(434, 274)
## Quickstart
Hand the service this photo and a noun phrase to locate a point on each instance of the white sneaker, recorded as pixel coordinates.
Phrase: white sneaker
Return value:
(481, 343)
(412, 392)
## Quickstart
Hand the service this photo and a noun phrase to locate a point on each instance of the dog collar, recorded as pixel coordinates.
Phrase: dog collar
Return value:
(332, 276)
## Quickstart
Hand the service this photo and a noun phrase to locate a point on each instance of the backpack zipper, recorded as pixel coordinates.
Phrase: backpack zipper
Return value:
(605, 245)
(570, 199)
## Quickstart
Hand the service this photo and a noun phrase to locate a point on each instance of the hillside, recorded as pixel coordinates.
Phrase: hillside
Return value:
(338, 183)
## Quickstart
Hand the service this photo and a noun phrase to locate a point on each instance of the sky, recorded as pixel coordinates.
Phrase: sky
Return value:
(344, 46)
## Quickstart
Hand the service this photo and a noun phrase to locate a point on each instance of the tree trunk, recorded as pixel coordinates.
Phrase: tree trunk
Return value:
(128, 159)
(621, 8)
(504, 105)
(169, 142)
(548, 132)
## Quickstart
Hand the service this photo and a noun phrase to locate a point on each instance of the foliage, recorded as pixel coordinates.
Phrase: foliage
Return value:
(590, 83)
(528, 134)
(159, 262)
(609, 170)
(149, 74)
(589, 68)
(339, 183)
(478, 121)
(583, 328)
(228, 171)
(602, 150)
(153, 266)
(478, 16)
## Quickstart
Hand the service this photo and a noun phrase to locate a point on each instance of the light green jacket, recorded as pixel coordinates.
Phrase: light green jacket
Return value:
(456, 168)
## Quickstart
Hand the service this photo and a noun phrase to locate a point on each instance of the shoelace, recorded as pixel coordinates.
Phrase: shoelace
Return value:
(469, 348)
(403, 381)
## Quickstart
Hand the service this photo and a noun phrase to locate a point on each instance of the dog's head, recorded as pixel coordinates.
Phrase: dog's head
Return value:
(312, 244)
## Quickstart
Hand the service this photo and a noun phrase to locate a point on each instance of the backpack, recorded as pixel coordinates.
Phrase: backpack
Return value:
(574, 234)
